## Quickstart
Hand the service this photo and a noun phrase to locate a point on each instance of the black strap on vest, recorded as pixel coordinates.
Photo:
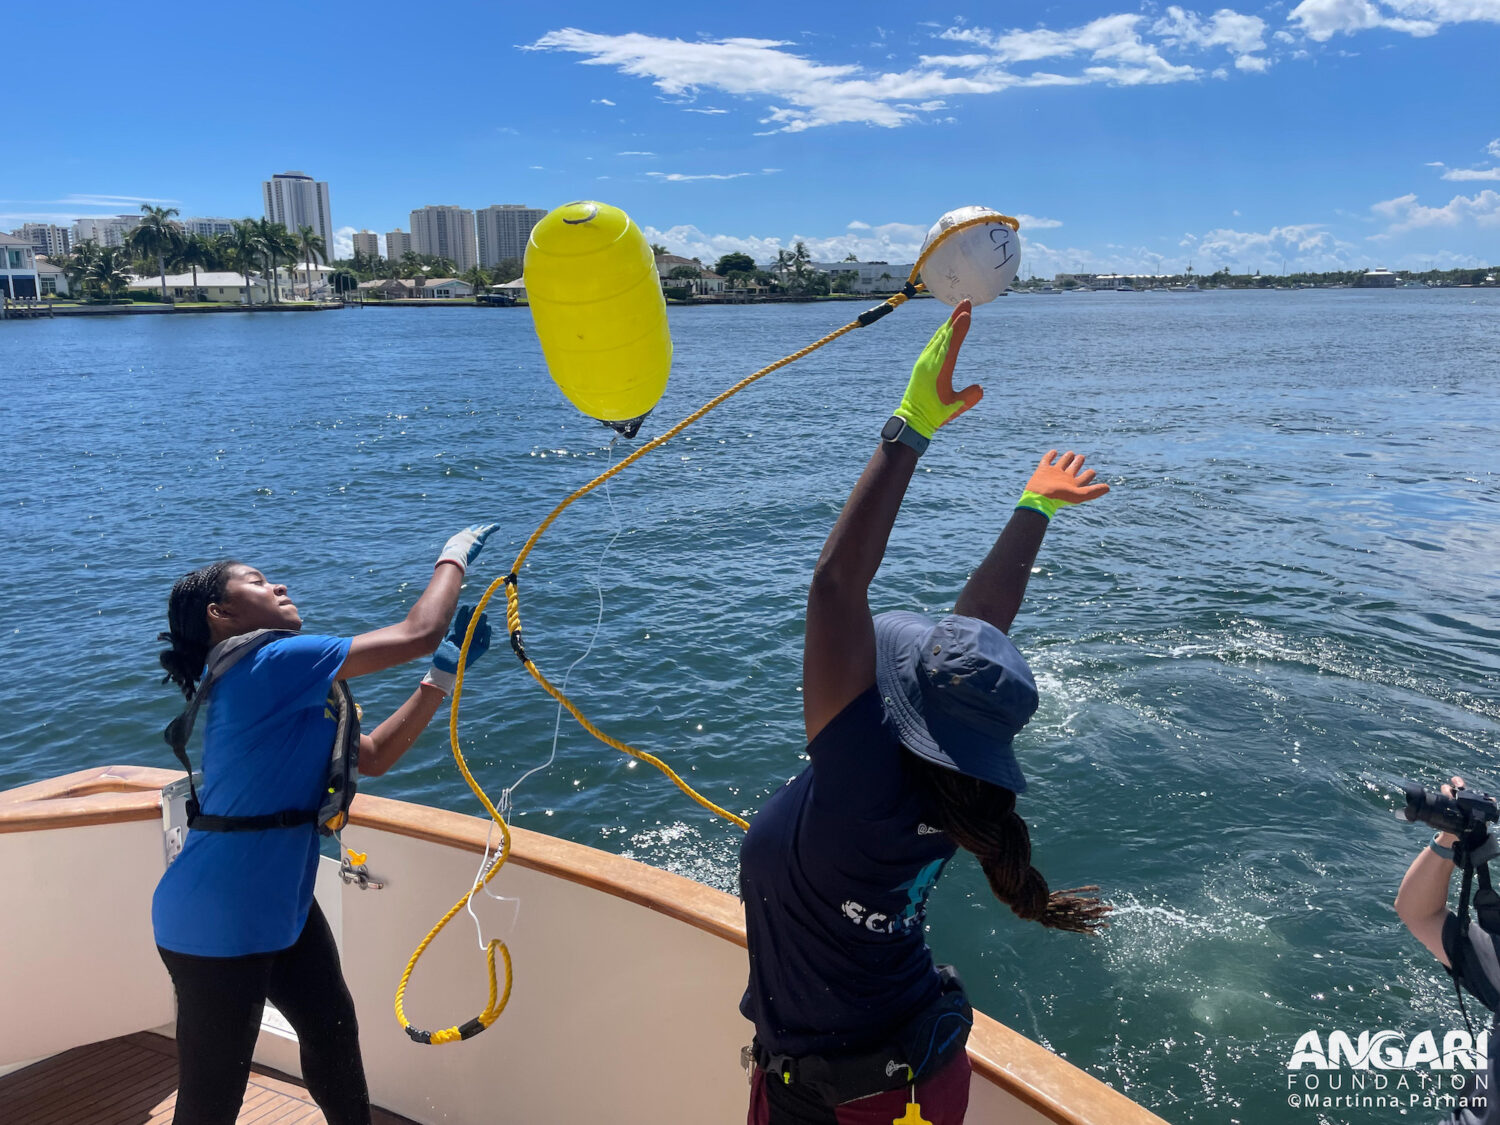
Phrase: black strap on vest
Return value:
(224, 656)
(921, 1048)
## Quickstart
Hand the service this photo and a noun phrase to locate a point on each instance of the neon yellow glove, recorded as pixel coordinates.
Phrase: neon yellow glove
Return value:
(930, 400)
(1060, 485)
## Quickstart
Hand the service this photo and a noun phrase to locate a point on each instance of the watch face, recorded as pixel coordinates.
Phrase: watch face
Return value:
(892, 428)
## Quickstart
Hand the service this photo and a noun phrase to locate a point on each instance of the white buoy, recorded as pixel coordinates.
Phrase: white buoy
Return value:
(976, 264)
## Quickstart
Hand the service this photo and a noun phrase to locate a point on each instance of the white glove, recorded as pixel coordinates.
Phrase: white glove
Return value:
(464, 547)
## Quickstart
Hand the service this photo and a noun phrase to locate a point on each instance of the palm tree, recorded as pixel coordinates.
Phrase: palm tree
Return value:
(218, 248)
(277, 245)
(477, 278)
(309, 242)
(157, 236)
(106, 272)
(246, 245)
(411, 262)
(784, 260)
(657, 249)
(76, 265)
(195, 251)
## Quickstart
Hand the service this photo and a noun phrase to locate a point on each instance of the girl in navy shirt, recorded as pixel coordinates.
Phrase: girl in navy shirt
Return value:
(234, 915)
(909, 728)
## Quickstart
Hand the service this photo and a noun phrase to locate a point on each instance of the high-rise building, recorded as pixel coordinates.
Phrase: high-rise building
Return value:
(397, 242)
(207, 227)
(367, 242)
(446, 232)
(502, 230)
(296, 200)
(107, 230)
(45, 238)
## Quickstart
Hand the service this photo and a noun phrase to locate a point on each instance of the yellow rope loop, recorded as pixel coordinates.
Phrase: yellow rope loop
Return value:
(980, 221)
(513, 626)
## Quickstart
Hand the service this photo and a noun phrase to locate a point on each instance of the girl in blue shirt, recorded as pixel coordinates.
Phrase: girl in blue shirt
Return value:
(909, 727)
(234, 915)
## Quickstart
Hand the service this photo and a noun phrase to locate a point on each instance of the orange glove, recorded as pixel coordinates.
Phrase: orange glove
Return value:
(1058, 485)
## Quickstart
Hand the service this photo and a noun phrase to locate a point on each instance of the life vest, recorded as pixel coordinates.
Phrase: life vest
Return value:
(343, 762)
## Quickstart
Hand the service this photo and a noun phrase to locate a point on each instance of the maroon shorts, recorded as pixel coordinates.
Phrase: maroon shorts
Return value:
(944, 1099)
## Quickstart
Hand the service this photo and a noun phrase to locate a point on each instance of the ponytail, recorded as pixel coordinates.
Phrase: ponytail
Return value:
(981, 818)
(187, 624)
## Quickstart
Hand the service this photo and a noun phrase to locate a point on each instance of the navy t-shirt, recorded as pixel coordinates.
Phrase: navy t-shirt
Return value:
(266, 746)
(1475, 959)
(835, 873)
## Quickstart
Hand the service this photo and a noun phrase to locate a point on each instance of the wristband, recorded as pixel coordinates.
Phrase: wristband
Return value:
(1039, 503)
(1446, 853)
(900, 430)
(440, 679)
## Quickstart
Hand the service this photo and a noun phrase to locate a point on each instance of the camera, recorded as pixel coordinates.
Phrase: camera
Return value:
(1467, 814)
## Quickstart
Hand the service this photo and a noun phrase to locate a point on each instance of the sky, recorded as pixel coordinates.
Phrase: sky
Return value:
(1126, 137)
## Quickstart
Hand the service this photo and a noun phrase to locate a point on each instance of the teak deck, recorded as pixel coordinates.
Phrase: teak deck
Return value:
(133, 1081)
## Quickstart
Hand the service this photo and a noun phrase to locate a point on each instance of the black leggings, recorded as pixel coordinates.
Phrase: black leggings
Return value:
(219, 1005)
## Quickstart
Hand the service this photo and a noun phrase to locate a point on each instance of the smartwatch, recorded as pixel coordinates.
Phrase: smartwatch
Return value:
(1446, 853)
(898, 429)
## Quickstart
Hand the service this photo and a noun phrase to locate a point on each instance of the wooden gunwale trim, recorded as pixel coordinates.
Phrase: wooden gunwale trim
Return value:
(1001, 1056)
(1049, 1084)
(702, 907)
(103, 795)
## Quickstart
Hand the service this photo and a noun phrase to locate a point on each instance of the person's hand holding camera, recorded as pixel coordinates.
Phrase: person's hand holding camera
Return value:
(1448, 839)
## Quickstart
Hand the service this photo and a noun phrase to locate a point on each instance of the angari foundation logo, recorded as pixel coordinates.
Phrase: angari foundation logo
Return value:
(1385, 1070)
(1390, 1050)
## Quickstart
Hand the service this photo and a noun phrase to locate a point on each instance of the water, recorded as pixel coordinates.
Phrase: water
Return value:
(1288, 602)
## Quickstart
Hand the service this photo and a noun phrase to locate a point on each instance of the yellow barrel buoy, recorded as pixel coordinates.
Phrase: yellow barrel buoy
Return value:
(597, 305)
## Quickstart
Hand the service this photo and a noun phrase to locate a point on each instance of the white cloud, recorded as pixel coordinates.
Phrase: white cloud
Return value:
(343, 243)
(600, 101)
(798, 92)
(633, 152)
(1493, 148)
(130, 202)
(1321, 20)
(1241, 35)
(890, 242)
(14, 212)
(897, 243)
(1404, 213)
(1304, 246)
(1472, 174)
(682, 177)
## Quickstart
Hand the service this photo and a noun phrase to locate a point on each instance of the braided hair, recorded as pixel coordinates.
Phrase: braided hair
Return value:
(187, 624)
(981, 818)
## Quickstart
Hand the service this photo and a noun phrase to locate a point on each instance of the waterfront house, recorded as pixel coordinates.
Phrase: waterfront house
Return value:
(51, 281)
(868, 277)
(445, 288)
(212, 286)
(298, 280)
(385, 288)
(18, 277)
(516, 289)
(706, 283)
(1378, 278)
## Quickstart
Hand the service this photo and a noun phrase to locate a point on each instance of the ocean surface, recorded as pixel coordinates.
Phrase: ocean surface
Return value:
(1289, 602)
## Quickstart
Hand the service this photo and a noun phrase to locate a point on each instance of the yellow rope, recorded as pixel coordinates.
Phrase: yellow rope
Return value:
(513, 626)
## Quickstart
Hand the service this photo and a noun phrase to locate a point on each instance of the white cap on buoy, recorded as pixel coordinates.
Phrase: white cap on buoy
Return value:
(976, 264)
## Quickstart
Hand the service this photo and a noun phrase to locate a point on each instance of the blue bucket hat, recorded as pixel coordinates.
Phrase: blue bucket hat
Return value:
(957, 692)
